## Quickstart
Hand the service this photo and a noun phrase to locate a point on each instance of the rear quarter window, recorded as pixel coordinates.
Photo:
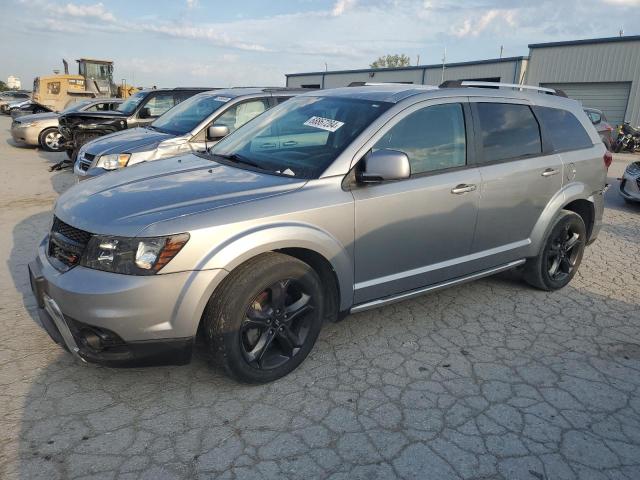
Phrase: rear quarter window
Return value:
(563, 130)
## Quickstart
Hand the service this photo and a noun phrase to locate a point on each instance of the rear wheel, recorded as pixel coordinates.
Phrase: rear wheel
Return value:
(51, 140)
(265, 318)
(558, 262)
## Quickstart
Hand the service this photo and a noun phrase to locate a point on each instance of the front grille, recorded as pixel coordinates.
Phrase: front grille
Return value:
(67, 243)
(85, 161)
(634, 168)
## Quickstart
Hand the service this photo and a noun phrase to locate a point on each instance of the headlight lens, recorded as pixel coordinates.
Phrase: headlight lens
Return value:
(113, 161)
(132, 256)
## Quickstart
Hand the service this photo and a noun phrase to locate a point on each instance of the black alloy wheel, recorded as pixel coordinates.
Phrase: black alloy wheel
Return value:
(276, 325)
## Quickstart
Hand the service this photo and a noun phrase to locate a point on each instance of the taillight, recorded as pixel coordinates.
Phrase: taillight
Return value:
(608, 159)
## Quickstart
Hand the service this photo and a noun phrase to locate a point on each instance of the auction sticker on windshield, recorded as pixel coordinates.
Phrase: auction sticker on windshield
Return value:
(324, 123)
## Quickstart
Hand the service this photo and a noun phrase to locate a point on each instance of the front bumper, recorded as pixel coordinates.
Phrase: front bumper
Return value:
(630, 185)
(140, 320)
(27, 135)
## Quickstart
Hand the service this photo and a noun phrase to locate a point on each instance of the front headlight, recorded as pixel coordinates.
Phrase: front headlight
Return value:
(26, 125)
(113, 161)
(132, 256)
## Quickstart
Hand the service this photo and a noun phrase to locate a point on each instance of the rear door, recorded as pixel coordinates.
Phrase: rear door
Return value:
(519, 174)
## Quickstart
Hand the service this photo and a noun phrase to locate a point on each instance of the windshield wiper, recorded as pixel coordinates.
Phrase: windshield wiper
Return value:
(235, 158)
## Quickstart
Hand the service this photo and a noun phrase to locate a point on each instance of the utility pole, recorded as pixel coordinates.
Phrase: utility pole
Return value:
(418, 60)
(621, 32)
(444, 60)
(501, 50)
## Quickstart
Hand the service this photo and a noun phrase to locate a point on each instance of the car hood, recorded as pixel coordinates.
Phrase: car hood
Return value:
(128, 201)
(36, 117)
(127, 141)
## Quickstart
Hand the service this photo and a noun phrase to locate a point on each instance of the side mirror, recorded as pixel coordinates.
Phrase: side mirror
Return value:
(144, 113)
(216, 132)
(384, 165)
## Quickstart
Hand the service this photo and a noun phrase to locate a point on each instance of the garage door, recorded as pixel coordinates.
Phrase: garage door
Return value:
(611, 98)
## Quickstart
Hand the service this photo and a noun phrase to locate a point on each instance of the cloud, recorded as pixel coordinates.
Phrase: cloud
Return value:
(97, 11)
(623, 3)
(191, 4)
(474, 27)
(342, 6)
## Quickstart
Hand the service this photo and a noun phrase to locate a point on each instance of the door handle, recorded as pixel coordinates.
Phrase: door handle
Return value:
(550, 172)
(290, 143)
(267, 145)
(462, 188)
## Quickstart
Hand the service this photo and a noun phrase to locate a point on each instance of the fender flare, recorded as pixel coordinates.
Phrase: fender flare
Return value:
(266, 238)
(570, 192)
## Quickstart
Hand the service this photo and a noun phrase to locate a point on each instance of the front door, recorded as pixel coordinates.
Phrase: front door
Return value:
(416, 232)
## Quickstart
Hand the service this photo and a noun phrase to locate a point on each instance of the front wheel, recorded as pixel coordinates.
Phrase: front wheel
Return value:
(561, 254)
(265, 318)
(51, 140)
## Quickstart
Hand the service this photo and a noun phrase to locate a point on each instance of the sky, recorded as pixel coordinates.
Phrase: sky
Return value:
(251, 42)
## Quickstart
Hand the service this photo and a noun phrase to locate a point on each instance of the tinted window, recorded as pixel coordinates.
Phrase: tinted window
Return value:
(433, 138)
(507, 131)
(189, 114)
(564, 130)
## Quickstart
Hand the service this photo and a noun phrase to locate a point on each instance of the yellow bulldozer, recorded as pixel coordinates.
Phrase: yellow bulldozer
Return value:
(94, 80)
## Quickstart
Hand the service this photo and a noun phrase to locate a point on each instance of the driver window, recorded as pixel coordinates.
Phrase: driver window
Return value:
(433, 138)
(160, 103)
(241, 113)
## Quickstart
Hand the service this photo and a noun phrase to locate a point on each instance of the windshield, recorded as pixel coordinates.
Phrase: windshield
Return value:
(132, 102)
(302, 136)
(187, 115)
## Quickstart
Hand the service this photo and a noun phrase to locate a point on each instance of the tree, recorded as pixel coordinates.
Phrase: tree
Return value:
(391, 61)
(3, 86)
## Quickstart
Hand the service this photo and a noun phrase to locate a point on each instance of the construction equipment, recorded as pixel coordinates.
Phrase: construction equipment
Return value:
(94, 80)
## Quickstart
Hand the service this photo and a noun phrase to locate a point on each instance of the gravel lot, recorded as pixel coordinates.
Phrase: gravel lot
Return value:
(486, 380)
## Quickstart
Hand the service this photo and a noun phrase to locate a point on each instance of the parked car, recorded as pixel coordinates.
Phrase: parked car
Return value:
(603, 127)
(10, 96)
(142, 108)
(26, 107)
(630, 183)
(42, 128)
(183, 129)
(333, 202)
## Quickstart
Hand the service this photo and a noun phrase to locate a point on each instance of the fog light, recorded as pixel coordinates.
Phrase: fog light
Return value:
(91, 340)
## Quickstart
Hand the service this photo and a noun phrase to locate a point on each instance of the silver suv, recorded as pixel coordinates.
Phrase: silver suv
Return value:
(333, 202)
(192, 126)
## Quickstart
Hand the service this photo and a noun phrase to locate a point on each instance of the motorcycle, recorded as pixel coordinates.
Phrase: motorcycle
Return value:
(628, 139)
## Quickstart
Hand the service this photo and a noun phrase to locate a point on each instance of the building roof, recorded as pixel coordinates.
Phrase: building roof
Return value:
(589, 41)
(415, 67)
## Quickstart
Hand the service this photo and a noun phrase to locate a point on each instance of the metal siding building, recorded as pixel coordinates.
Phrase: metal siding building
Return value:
(602, 73)
(506, 70)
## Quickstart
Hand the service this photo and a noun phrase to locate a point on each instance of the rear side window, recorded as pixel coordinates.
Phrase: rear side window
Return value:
(563, 129)
(433, 138)
(507, 131)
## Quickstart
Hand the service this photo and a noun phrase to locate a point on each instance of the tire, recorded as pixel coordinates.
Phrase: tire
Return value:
(243, 315)
(50, 140)
(542, 271)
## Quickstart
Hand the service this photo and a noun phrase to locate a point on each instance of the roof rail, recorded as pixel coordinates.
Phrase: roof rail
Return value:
(395, 84)
(471, 83)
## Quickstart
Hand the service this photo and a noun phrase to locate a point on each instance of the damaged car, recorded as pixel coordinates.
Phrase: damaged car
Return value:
(193, 126)
(140, 109)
